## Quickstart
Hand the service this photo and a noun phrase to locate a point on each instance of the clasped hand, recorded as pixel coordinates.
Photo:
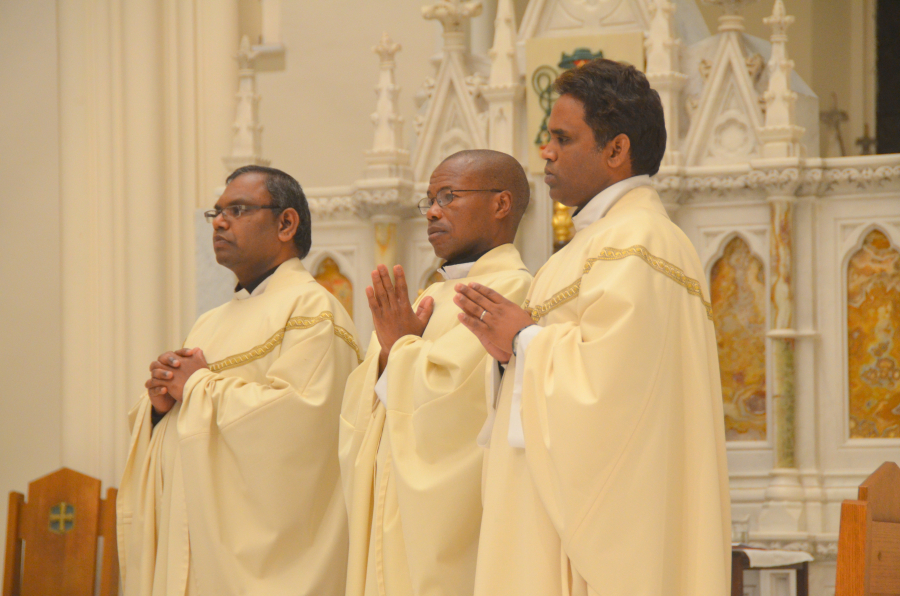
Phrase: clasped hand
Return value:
(492, 318)
(392, 313)
(168, 375)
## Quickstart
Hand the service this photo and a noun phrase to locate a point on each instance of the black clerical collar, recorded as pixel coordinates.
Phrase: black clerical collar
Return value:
(255, 283)
(461, 261)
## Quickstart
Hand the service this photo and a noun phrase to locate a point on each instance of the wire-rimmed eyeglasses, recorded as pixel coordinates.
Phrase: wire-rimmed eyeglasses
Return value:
(446, 196)
(233, 212)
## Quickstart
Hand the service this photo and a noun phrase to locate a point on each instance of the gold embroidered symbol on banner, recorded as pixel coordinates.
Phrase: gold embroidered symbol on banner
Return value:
(62, 518)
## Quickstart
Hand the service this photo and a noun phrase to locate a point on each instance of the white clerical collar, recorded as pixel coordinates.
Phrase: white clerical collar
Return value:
(243, 294)
(603, 202)
(456, 271)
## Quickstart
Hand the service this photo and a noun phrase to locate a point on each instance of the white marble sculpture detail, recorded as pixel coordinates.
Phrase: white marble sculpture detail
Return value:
(664, 73)
(387, 156)
(725, 127)
(504, 91)
(781, 135)
(246, 147)
(454, 119)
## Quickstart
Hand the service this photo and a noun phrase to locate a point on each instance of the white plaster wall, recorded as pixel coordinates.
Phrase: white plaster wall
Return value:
(30, 347)
(315, 112)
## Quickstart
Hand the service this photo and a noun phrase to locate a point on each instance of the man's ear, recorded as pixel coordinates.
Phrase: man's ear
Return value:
(503, 204)
(619, 149)
(288, 221)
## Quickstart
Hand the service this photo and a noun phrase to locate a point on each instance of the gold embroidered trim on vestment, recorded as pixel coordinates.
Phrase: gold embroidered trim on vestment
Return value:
(348, 338)
(615, 254)
(276, 339)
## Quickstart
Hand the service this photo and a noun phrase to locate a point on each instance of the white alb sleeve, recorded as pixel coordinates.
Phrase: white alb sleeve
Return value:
(381, 388)
(516, 436)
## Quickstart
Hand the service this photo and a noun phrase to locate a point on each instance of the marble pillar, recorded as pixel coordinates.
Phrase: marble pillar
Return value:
(780, 247)
(783, 511)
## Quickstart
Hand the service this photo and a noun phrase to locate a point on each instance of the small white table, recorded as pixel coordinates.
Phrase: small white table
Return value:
(774, 565)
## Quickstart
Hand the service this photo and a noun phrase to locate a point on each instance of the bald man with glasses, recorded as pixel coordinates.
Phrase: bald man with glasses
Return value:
(410, 460)
(232, 483)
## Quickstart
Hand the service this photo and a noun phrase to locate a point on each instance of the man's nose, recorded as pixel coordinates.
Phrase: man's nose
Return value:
(434, 212)
(219, 222)
(548, 153)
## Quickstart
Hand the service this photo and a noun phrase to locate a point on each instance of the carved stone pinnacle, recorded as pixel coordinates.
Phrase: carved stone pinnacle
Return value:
(246, 54)
(779, 21)
(386, 48)
(452, 13)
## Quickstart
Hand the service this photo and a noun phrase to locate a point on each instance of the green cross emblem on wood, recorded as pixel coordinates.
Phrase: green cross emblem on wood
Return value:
(62, 518)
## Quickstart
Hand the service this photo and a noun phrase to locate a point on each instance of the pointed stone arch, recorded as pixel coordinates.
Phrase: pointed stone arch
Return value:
(755, 243)
(327, 271)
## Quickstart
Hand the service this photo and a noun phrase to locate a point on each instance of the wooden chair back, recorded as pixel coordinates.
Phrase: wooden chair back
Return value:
(868, 558)
(59, 527)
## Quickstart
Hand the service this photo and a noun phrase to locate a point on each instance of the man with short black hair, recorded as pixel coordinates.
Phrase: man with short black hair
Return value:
(606, 470)
(412, 411)
(232, 484)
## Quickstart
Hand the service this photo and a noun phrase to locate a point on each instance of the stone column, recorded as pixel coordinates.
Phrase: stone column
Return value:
(782, 513)
(783, 510)
(137, 132)
(218, 32)
(780, 250)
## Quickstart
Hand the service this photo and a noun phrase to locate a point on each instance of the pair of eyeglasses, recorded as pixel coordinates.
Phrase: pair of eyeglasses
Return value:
(445, 197)
(233, 212)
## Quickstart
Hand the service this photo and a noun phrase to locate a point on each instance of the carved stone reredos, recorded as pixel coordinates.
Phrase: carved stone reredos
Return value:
(712, 88)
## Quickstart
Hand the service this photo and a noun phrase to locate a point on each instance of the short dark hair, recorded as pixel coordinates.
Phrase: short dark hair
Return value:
(618, 99)
(286, 193)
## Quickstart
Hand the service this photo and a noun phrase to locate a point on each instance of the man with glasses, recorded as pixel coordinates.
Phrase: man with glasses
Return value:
(410, 461)
(232, 483)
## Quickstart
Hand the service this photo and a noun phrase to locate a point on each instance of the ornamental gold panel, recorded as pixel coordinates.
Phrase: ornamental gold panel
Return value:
(873, 339)
(330, 277)
(738, 295)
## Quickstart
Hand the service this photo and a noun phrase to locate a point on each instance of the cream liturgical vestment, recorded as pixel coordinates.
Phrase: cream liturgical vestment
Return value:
(609, 476)
(412, 468)
(237, 489)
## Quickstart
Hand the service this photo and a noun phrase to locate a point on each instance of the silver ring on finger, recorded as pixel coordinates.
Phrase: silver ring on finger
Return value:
(484, 312)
